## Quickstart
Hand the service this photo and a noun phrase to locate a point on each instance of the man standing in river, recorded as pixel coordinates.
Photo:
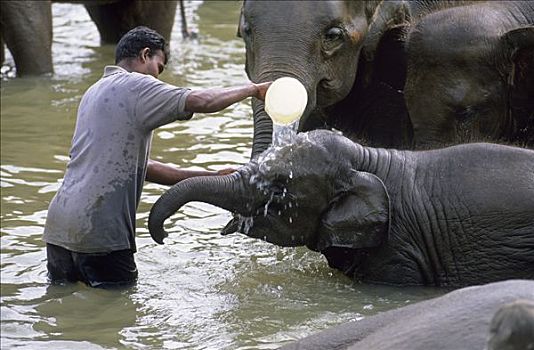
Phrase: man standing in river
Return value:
(90, 227)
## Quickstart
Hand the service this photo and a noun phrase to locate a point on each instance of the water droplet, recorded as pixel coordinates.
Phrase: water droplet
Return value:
(284, 134)
(246, 223)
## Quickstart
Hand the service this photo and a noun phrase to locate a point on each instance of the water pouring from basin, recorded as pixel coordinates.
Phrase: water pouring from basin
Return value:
(285, 102)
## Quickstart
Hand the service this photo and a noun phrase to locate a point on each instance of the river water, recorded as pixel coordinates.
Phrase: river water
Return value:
(200, 290)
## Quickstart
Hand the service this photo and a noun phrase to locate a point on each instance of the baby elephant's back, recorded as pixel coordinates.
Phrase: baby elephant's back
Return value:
(490, 178)
(485, 194)
(476, 212)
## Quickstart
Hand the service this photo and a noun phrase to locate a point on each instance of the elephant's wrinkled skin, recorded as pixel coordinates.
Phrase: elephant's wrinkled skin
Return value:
(470, 74)
(450, 217)
(459, 320)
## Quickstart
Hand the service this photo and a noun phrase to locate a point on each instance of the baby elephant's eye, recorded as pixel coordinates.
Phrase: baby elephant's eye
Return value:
(279, 193)
(278, 190)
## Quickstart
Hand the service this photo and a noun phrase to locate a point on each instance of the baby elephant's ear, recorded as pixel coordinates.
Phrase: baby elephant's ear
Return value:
(359, 217)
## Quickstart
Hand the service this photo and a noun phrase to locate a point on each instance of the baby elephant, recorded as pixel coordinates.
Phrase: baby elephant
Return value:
(456, 216)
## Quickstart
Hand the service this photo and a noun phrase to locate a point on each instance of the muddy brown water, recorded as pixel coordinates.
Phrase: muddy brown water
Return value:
(198, 291)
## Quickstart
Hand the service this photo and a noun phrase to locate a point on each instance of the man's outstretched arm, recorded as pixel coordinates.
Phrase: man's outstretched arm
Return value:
(216, 99)
(165, 174)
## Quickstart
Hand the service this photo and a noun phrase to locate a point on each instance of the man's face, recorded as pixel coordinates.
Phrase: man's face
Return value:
(152, 65)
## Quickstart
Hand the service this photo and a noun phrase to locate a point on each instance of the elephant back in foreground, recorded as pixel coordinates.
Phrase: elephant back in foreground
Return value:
(459, 320)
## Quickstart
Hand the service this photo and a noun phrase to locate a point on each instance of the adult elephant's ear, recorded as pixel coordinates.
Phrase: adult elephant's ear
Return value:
(519, 49)
(241, 20)
(358, 217)
(390, 15)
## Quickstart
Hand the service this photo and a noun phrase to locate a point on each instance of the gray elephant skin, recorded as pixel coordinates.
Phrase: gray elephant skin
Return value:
(470, 74)
(26, 26)
(399, 74)
(496, 316)
(456, 216)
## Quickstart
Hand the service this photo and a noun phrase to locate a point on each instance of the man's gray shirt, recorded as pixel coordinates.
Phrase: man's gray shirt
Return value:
(94, 209)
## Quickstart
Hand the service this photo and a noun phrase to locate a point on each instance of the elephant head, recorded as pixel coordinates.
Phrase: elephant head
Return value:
(316, 42)
(470, 74)
(512, 326)
(307, 193)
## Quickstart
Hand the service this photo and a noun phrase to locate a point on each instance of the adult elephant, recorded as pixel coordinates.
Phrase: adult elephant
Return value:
(319, 43)
(26, 26)
(451, 217)
(470, 73)
(465, 68)
(496, 316)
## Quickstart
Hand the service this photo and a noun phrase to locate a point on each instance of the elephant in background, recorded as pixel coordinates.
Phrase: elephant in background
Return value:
(361, 65)
(450, 217)
(318, 43)
(470, 74)
(26, 26)
(461, 319)
(465, 70)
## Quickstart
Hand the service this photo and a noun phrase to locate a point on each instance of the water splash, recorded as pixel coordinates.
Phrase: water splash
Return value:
(266, 208)
(284, 134)
(246, 223)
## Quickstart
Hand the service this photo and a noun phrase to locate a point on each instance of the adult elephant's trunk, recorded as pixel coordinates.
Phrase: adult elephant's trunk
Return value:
(227, 192)
(263, 129)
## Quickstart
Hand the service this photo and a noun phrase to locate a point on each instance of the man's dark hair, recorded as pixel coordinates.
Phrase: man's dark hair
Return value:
(137, 39)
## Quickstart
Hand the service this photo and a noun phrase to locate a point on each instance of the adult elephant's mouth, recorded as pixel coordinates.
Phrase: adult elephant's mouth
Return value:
(329, 84)
(330, 92)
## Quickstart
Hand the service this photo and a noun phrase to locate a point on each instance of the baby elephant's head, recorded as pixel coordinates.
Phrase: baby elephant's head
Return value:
(307, 193)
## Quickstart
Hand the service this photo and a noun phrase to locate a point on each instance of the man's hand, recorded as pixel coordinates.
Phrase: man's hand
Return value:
(216, 99)
(165, 174)
(262, 90)
(226, 171)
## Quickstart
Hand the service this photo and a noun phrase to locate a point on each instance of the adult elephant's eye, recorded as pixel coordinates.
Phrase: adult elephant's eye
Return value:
(333, 38)
(245, 29)
(334, 33)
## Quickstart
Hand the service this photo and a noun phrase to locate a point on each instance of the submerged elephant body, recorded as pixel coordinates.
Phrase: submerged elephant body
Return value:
(450, 217)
